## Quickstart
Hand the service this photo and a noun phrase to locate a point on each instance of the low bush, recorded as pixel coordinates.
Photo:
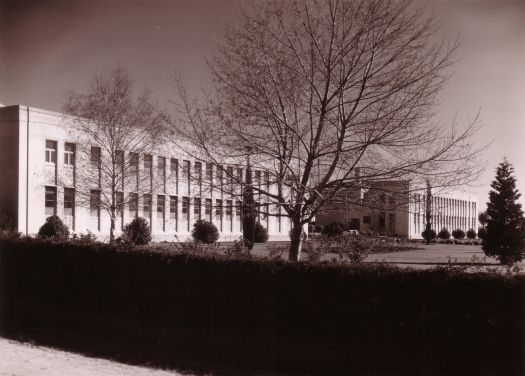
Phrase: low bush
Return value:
(54, 228)
(261, 235)
(444, 234)
(137, 232)
(428, 235)
(471, 234)
(458, 234)
(205, 232)
(333, 229)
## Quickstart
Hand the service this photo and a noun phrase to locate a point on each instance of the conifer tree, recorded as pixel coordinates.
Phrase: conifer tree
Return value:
(505, 238)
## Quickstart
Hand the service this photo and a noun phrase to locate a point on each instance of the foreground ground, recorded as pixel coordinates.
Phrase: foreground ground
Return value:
(22, 359)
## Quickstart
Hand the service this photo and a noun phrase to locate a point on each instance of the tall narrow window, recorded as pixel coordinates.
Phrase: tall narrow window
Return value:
(51, 200)
(219, 175)
(174, 172)
(238, 207)
(161, 170)
(218, 213)
(51, 151)
(209, 172)
(160, 207)
(134, 163)
(69, 202)
(69, 154)
(119, 203)
(173, 208)
(186, 170)
(186, 210)
(208, 209)
(230, 177)
(133, 205)
(197, 208)
(239, 177)
(95, 156)
(94, 203)
(146, 208)
(229, 210)
(119, 160)
(147, 163)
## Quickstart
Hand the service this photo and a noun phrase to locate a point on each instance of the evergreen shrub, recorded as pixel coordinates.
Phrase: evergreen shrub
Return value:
(137, 232)
(205, 232)
(54, 228)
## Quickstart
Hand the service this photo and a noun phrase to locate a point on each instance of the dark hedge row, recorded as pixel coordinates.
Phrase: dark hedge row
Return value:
(217, 315)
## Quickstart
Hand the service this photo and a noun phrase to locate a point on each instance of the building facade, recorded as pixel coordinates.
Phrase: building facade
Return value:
(396, 208)
(39, 157)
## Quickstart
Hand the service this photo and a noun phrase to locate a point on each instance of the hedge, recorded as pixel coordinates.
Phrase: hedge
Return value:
(219, 315)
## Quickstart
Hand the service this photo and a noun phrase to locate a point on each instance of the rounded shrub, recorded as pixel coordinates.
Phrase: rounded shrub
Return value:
(482, 231)
(428, 235)
(471, 234)
(333, 229)
(204, 232)
(137, 232)
(54, 228)
(444, 234)
(261, 235)
(458, 234)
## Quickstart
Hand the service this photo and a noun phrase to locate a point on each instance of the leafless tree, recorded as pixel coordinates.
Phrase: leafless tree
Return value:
(115, 129)
(314, 90)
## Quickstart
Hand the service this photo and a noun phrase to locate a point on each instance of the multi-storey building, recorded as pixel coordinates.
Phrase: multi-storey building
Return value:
(395, 207)
(39, 158)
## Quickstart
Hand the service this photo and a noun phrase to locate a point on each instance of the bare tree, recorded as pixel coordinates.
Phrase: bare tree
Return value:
(115, 130)
(314, 90)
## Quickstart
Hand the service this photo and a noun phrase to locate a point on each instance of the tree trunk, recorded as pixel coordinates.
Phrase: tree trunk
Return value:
(296, 242)
(112, 230)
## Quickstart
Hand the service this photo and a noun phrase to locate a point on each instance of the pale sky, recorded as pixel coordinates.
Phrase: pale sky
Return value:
(50, 46)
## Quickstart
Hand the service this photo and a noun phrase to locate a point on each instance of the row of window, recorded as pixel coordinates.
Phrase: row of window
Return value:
(95, 158)
(133, 205)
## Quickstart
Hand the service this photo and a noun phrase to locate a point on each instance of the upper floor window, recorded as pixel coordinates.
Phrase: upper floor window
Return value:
(174, 168)
(134, 162)
(161, 167)
(197, 170)
(95, 156)
(51, 200)
(119, 159)
(219, 174)
(51, 151)
(209, 171)
(147, 162)
(186, 170)
(69, 154)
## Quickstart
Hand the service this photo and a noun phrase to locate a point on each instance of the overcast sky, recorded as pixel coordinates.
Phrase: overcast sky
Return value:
(48, 47)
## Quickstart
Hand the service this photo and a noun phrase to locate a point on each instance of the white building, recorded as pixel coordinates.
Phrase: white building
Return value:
(39, 164)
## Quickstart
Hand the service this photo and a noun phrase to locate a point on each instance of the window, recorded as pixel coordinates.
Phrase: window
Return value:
(267, 180)
(148, 160)
(239, 175)
(51, 200)
(174, 168)
(229, 174)
(160, 206)
(94, 203)
(197, 208)
(134, 163)
(367, 220)
(186, 208)
(197, 170)
(218, 208)
(173, 208)
(186, 170)
(161, 167)
(119, 159)
(209, 172)
(146, 207)
(69, 202)
(69, 154)
(133, 205)
(119, 203)
(208, 209)
(95, 156)
(219, 175)
(238, 208)
(51, 151)
(229, 210)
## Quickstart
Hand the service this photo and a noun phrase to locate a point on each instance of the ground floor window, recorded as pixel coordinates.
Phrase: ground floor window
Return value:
(69, 202)
(51, 200)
